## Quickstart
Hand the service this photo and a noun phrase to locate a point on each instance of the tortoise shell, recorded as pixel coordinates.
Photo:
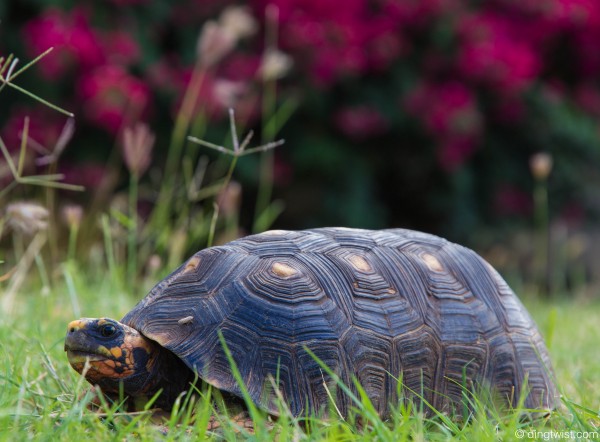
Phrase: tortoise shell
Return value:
(377, 306)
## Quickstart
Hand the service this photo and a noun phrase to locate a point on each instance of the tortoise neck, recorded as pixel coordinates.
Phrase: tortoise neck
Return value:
(165, 373)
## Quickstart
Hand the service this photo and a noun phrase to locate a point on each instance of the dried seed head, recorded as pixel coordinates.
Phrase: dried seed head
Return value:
(239, 21)
(72, 215)
(541, 165)
(227, 93)
(229, 199)
(27, 218)
(154, 263)
(137, 148)
(214, 43)
(275, 65)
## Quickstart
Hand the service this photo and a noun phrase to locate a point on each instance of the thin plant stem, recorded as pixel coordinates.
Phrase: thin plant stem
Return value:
(39, 262)
(178, 138)
(72, 290)
(73, 233)
(132, 234)
(237, 151)
(31, 63)
(108, 248)
(23, 152)
(226, 182)
(51, 204)
(213, 225)
(269, 99)
(542, 234)
(40, 99)
(21, 272)
(19, 246)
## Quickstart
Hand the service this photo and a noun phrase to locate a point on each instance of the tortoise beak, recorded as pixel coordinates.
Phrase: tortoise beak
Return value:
(75, 339)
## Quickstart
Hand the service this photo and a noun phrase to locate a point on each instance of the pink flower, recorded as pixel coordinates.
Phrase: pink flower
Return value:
(283, 172)
(333, 41)
(510, 200)
(44, 127)
(509, 109)
(165, 75)
(449, 111)
(448, 108)
(493, 53)
(121, 48)
(576, 13)
(454, 151)
(360, 122)
(587, 96)
(112, 97)
(385, 42)
(419, 13)
(75, 43)
(89, 175)
(208, 101)
(240, 67)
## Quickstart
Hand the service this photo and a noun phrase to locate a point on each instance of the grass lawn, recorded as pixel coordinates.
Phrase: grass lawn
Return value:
(41, 397)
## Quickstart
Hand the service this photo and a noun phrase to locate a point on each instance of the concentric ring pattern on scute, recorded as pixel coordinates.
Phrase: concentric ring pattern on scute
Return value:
(377, 306)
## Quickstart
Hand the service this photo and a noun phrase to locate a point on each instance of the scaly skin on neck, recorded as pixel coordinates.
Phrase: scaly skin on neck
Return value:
(121, 359)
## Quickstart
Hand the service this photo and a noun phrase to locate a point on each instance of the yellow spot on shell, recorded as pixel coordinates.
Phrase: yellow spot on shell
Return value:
(192, 264)
(432, 262)
(283, 270)
(360, 263)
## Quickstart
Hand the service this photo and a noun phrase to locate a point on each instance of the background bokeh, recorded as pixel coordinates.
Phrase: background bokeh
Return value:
(396, 113)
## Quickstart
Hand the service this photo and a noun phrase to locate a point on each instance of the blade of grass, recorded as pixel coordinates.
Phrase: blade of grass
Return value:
(254, 412)
(40, 99)
(31, 63)
(23, 147)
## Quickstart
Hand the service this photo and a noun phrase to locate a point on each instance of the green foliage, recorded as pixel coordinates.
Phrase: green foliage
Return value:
(42, 398)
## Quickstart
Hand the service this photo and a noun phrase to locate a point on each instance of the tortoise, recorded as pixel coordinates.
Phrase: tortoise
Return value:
(373, 306)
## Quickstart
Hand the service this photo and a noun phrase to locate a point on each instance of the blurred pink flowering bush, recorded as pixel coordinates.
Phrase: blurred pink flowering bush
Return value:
(416, 113)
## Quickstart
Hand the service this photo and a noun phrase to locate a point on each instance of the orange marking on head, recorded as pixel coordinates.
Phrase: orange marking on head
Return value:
(116, 352)
(106, 369)
(102, 350)
(79, 324)
(192, 264)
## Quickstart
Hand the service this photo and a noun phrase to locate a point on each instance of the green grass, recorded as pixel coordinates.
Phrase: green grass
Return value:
(41, 397)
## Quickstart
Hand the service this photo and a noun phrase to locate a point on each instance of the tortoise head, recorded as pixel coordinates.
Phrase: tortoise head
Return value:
(117, 354)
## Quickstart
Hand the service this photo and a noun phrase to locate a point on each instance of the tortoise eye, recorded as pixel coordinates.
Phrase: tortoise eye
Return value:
(108, 330)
